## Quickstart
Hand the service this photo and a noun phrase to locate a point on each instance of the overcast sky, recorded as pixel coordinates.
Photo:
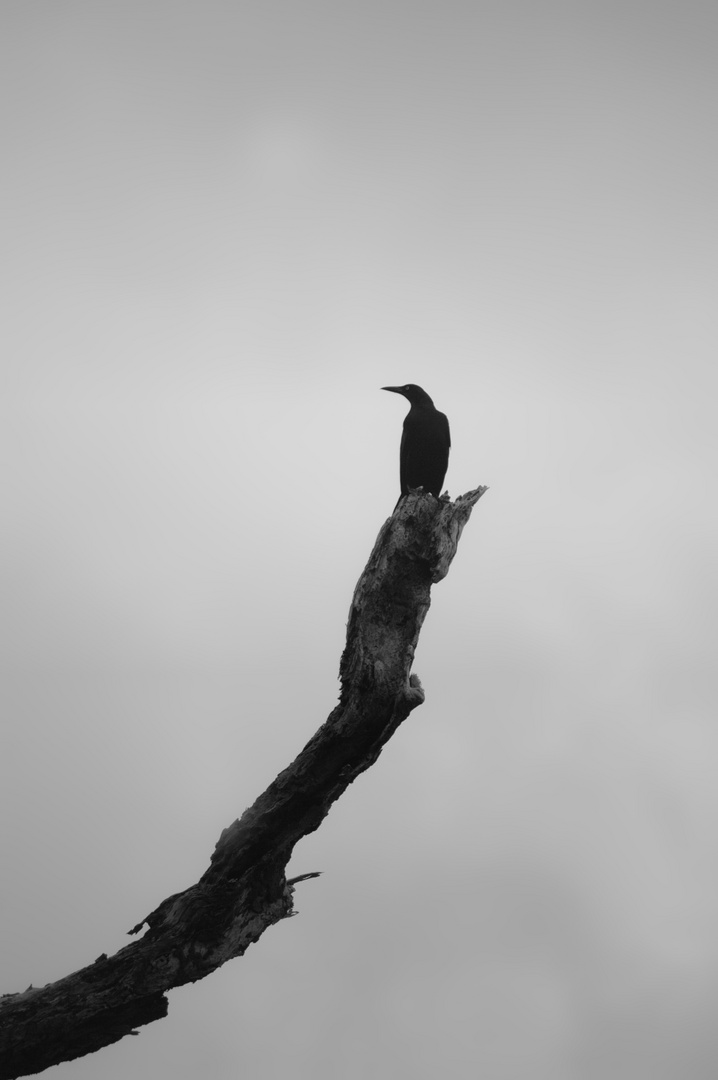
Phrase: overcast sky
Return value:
(225, 226)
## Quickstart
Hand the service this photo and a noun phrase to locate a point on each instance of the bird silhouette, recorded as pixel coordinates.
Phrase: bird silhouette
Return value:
(425, 442)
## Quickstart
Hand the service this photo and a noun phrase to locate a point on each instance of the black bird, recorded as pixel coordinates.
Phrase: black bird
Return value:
(425, 442)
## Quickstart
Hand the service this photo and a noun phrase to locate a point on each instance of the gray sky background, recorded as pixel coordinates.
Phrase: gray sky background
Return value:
(224, 227)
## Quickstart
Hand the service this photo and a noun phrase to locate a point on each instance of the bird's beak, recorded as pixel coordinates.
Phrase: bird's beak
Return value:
(394, 389)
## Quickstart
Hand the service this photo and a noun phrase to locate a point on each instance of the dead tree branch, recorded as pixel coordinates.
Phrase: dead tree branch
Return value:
(244, 890)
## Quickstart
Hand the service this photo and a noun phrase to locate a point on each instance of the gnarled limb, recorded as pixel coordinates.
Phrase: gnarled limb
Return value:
(244, 890)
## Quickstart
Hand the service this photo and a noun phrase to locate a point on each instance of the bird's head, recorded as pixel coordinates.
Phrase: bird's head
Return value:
(412, 392)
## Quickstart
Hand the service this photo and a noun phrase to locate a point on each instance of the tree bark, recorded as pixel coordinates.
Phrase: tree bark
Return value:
(244, 890)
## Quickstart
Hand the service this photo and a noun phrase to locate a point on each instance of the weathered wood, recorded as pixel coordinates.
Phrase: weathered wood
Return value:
(244, 890)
